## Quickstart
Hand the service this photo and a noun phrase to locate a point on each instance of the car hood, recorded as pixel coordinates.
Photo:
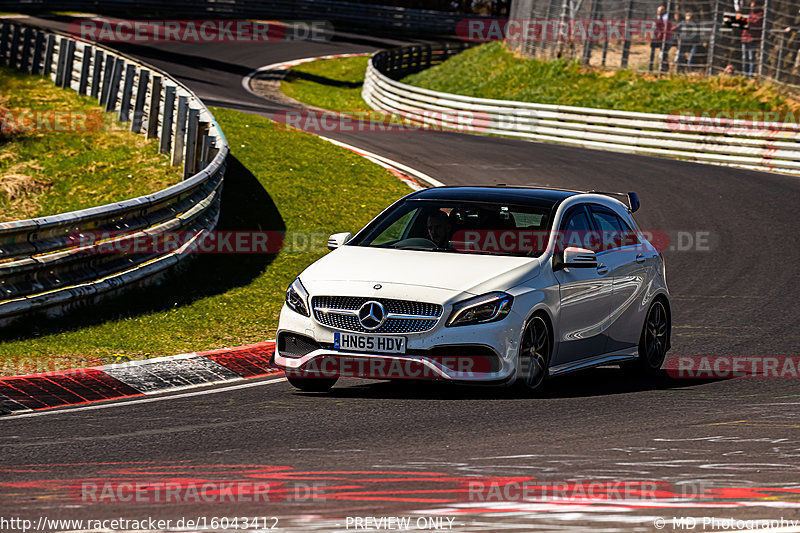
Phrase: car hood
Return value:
(442, 272)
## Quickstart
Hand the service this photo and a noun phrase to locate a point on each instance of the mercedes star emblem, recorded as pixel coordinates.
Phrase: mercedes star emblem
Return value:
(371, 315)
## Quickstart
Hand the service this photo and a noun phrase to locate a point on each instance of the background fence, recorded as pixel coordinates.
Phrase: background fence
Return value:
(46, 263)
(755, 146)
(712, 35)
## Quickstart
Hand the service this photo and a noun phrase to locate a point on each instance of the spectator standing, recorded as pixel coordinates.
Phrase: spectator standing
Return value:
(688, 41)
(751, 38)
(661, 38)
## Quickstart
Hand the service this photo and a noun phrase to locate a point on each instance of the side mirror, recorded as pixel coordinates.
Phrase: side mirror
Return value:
(579, 258)
(338, 239)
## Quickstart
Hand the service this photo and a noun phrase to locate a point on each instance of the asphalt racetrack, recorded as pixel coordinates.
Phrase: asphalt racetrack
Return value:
(459, 457)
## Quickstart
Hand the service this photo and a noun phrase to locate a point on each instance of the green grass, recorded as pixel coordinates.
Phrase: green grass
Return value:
(333, 84)
(47, 172)
(491, 71)
(277, 179)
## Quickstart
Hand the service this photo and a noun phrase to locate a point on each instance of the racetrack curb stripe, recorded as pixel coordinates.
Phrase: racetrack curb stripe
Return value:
(82, 386)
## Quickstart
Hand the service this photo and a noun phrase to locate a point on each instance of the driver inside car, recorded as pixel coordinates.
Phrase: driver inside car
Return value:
(439, 229)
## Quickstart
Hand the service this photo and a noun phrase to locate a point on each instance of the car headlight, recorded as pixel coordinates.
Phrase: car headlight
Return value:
(489, 307)
(297, 298)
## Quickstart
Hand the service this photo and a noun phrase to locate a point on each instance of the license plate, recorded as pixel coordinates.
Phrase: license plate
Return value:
(368, 343)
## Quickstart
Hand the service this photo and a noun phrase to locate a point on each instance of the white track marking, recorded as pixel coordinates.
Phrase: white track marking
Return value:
(384, 161)
(285, 65)
(116, 403)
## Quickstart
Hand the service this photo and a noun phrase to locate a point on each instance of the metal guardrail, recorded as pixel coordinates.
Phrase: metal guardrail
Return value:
(756, 146)
(45, 263)
(347, 13)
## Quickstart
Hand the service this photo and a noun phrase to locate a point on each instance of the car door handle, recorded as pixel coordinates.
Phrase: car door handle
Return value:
(602, 269)
(640, 258)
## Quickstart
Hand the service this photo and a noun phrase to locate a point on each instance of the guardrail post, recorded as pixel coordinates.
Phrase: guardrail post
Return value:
(69, 64)
(127, 93)
(113, 92)
(61, 60)
(138, 106)
(202, 133)
(12, 60)
(97, 70)
(38, 50)
(5, 36)
(108, 70)
(180, 131)
(49, 50)
(24, 63)
(86, 62)
(205, 150)
(190, 161)
(152, 113)
(166, 123)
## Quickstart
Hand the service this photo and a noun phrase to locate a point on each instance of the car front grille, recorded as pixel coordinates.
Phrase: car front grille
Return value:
(341, 312)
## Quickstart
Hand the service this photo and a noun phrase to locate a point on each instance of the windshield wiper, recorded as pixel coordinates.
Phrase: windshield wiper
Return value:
(420, 248)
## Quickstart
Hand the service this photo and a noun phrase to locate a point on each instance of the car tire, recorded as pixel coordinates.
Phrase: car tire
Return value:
(312, 384)
(653, 342)
(535, 349)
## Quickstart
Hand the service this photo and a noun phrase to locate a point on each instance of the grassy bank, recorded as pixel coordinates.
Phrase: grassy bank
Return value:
(82, 159)
(333, 84)
(276, 180)
(491, 71)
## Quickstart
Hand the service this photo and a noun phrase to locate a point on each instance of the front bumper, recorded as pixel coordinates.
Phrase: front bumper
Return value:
(480, 353)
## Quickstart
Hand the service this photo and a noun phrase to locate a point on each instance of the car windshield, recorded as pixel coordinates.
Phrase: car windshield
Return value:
(460, 227)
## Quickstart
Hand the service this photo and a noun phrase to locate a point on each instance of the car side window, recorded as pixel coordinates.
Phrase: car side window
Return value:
(614, 232)
(576, 230)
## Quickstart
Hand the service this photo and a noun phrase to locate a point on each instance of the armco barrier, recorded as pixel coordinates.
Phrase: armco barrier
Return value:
(756, 146)
(43, 264)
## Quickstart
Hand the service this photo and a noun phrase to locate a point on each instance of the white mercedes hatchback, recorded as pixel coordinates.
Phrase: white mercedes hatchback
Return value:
(482, 285)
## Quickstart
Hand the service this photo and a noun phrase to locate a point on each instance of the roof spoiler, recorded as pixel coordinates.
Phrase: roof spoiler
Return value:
(631, 197)
(633, 201)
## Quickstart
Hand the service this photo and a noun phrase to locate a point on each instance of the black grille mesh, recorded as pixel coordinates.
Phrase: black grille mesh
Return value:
(293, 345)
(392, 325)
